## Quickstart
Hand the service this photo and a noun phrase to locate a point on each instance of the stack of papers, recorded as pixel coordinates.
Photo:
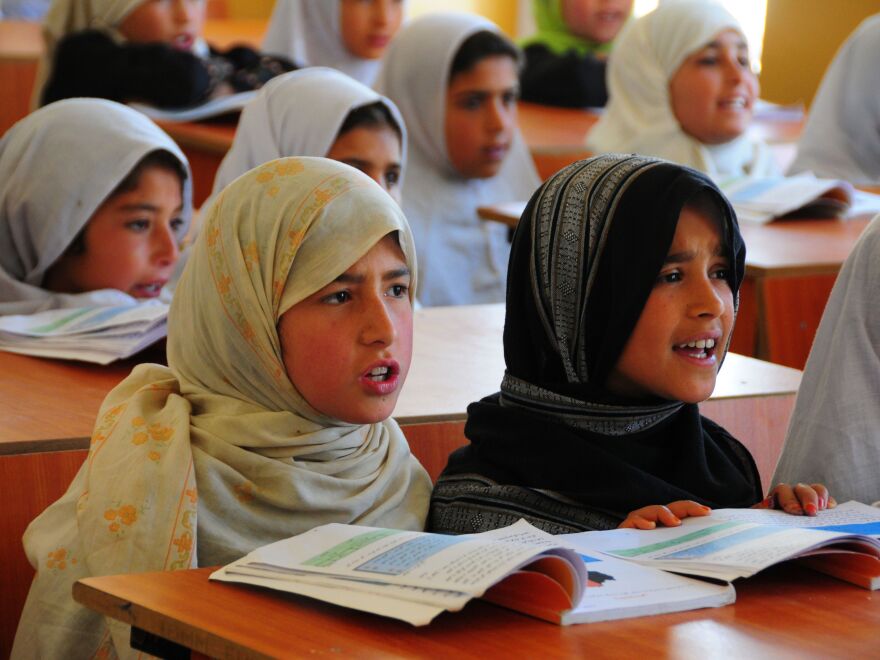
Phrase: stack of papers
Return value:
(762, 200)
(215, 107)
(91, 334)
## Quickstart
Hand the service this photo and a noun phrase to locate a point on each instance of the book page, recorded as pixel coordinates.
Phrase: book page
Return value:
(851, 517)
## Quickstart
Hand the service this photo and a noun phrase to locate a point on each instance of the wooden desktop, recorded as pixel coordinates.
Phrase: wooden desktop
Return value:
(784, 612)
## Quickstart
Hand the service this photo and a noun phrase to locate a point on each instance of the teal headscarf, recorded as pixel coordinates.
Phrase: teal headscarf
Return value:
(554, 34)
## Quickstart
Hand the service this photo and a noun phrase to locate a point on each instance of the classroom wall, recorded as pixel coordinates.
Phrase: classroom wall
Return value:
(800, 40)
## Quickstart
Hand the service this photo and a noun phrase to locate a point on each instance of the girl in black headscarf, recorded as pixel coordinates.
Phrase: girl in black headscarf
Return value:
(622, 290)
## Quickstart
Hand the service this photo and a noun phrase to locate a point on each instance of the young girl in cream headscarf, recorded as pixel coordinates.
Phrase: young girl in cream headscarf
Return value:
(681, 87)
(289, 337)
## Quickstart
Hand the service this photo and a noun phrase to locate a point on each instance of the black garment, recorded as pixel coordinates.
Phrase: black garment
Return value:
(90, 63)
(584, 260)
(570, 80)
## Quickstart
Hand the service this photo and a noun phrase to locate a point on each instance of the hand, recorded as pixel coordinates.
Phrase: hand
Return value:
(798, 500)
(670, 515)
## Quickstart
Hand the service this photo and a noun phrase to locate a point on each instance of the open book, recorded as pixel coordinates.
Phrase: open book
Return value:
(414, 576)
(90, 334)
(214, 108)
(802, 195)
(734, 543)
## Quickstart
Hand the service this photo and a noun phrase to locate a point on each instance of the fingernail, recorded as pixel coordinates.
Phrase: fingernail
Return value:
(810, 509)
(768, 502)
(794, 509)
(676, 520)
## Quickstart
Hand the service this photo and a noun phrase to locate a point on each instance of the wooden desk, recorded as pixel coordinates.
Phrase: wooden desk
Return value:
(791, 266)
(49, 407)
(785, 612)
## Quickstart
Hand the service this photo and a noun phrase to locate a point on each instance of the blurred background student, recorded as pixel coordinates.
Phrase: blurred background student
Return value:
(681, 87)
(841, 139)
(455, 79)
(565, 59)
(94, 199)
(142, 50)
(349, 35)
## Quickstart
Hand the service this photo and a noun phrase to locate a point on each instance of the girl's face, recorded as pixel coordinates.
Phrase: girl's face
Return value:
(481, 116)
(177, 23)
(375, 151)
(131, 241)
(680, 338)
(596, 20)
(347, 348)
(714, 90)
(368, 26)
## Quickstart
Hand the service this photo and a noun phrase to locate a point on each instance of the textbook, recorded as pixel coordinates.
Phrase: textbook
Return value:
(414, 576)
(90, 334)
(737, 543)
(802, 195)
(214, 108)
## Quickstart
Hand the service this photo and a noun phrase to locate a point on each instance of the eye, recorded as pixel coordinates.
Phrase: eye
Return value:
(707, 60)
(337, 297)
(177, 225)
(471, 102)
(510, 97)
(392, 177)
(720, 273)
(138, 226)
(398, 290)
(669, 277)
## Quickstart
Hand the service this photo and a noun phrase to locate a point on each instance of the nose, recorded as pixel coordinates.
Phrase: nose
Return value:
(734, 71)
(377, 323)
(382, 12)
(706, 298)
(497, 116)
(165, 250)
(185, 11)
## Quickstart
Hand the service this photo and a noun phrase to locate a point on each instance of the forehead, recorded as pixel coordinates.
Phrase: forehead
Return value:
(729, 38)
(492, 72)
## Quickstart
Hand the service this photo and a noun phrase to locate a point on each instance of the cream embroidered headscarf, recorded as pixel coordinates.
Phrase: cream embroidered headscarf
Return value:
(639, 117)
(201, 462)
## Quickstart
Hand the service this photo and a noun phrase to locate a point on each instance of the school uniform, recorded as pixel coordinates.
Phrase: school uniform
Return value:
(554, 446)
(639, 117)
(840, 138)
(57, 166)
(462, 259)
(200, 462)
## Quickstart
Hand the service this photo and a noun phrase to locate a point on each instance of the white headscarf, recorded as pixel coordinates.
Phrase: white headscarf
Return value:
(218, 454)
(57, 166)
(834, 434)
(639, 117)
(308, 32)
(462, 259)
(70, 16)
(296, 114)
(841, 138)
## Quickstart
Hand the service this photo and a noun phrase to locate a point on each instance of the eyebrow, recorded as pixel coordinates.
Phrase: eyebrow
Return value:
(682, 257)
(347, 278)
(146, 207)
(740, 45)
(359, 162)
(486, 92)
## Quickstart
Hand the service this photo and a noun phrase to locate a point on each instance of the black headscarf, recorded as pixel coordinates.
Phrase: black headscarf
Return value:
(584, 260)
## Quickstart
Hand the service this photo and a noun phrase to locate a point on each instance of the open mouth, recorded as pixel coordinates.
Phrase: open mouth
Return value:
(150, 290)
(700, 349)
(183, 42)
(380, 374)
(735, 103)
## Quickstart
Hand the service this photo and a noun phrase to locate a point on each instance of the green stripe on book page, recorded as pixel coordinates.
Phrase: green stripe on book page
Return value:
(64, 320)
(702, 533)
(355, 543)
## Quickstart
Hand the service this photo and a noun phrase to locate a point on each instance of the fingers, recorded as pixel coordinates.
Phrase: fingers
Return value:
(822, 494)
(800, 499)
(648, 516)
(637, 522)
(787, 500)
(688, 508)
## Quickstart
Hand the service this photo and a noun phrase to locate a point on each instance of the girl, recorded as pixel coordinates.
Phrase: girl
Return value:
(624, 274)
(349, 35)
(840, 139)
(834, 434)
(454, 78)
(681, 87)
(289, 339)
(94, 199)
(319, 112)
(141, 50)
(566, 57)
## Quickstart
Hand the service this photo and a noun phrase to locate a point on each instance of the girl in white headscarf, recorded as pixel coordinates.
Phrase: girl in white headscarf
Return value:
(141, 50)
(309, 113)
(349, 35)
(840, 139)
(289, 338)
(834, 433)
(69, 237)
(454, 78)
(681, 87)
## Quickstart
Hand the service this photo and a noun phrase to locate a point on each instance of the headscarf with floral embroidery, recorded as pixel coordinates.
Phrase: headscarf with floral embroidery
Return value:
(203, 461)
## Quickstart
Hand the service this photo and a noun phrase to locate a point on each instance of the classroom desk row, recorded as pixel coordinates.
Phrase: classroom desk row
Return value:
(791, 266)
(784, 612)
(48, 409)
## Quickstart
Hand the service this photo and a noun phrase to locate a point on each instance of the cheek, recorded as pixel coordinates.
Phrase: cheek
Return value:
(460, 138)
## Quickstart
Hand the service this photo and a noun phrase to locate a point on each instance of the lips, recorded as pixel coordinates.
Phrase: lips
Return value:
(148, 290)
(381, 378)
(183, 42)
(378, 41)
(496, 153)
(700, 350)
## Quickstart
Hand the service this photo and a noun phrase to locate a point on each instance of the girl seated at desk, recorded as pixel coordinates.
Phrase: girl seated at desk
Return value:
(565, 59)
(319, 112)
(289, 338)
(142, 50)
(349, 35)
(621, 298)
(681, 87)
(94, 199)
(454, 78)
